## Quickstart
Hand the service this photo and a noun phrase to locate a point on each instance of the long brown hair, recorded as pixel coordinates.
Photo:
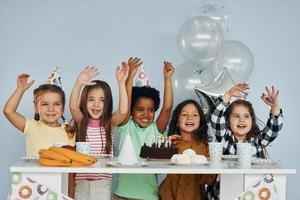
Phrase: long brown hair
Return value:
(254, 131)
(104, 119)
(200, 134)
(58, 90)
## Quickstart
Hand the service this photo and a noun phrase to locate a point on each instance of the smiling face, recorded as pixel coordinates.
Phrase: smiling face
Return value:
(143, 111)
(240, 121)
(189, 119)
(95, 102)
(49, 106)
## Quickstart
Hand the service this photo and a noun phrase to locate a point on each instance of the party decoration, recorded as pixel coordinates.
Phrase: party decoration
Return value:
(217, 10)
(141, 78)
(264, 188)
(127, 155)
(206, 102)
(186, 77)
(219, 86)
(237, 58)
(28, 188)
(200, 39)
(54, 78)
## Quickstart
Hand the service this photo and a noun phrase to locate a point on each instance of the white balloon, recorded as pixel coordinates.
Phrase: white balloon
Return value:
(217, 10)
(237, 58)
(200, 39)
(186, 78)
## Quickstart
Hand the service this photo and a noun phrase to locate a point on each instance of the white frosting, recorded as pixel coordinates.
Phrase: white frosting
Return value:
(199, 159)
(189, 152)
(189, 156)
(183, 159)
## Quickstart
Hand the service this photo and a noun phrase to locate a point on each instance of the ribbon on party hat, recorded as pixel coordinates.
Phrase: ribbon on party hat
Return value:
(141, 78)
(54, 77)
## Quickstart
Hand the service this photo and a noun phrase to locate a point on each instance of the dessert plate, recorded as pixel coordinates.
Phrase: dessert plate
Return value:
(99, 156)
(188, 164)
(261, 161)
(229, 157)
(114, 163)
(30, 158)
(157, 159)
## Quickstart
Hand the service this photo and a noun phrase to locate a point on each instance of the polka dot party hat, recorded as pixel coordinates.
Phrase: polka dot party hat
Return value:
(141, 78)
(54, 77)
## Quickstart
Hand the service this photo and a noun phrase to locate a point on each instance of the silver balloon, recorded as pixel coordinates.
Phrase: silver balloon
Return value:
(186, 78)
(237, 58)
(217, 10)
(200, 39)
(206, 101)
(222, 83)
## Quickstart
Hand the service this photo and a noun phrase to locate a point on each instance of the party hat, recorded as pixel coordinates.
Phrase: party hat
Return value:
(54, 77)
(127, 155)
(141, 78)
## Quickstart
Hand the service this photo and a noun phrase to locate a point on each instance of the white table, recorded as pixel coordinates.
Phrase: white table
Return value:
(233, 180)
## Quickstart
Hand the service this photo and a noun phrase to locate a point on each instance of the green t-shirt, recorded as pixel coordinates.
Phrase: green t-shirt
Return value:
(137, 186)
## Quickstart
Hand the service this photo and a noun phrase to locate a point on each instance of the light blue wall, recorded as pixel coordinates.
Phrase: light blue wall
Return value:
(37, 35)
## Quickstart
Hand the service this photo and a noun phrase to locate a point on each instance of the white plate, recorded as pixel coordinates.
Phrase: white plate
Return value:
(261, 161)
(116, 164)
(229, 157)
(157, 159)
(98, 155)
(30, 158)
(189, 164)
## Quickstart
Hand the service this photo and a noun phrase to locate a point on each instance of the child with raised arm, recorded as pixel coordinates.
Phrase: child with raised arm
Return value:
(139, 123)
(189, 124)
(45, 129)
(236, 122)
(92, 113)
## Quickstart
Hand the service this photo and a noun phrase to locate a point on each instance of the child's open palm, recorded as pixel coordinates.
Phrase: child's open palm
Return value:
(134, 64)
(168, 69)
(271, 97)
(122, 72)
(86, 75)
(22, 81)
(236, 91)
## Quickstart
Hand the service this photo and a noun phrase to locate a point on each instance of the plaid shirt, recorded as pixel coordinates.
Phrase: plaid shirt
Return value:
(267, 135)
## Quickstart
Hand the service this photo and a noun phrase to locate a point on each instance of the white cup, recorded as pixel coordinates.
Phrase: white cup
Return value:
(83, 147)
(244, 153)
(215, 151)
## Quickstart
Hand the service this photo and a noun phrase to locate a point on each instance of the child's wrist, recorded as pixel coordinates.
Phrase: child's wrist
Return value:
(167, 78)
(275, 110)
(226, 97)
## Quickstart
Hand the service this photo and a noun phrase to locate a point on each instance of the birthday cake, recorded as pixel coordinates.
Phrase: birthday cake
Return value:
(160, 149)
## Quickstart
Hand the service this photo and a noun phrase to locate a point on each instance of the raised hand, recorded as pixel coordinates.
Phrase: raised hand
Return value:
(168, 70)
(22, 82)
(236, 91)
(85, 76)
(122, 72)
(134, 64)
(271, 97)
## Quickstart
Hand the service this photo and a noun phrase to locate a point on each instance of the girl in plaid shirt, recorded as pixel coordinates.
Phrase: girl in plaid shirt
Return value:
(236, 122)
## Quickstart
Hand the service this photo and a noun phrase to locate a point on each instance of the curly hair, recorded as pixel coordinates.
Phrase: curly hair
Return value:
(146, 92)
